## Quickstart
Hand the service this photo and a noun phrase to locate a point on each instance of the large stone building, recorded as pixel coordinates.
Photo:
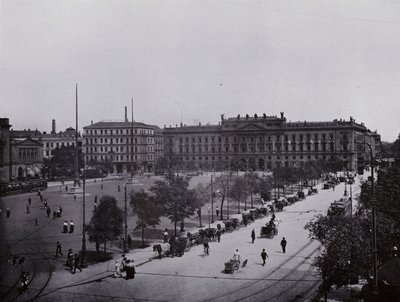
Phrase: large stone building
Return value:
(54, 140)
(5, 150)
(267, 142)
(123, 145)
(26, 157)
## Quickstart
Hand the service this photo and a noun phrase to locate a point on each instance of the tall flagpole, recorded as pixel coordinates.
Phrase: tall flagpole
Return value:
(76, 180)
(132, 139)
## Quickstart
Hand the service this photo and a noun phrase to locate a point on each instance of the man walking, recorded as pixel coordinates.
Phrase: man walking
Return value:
(48, 211)
(71, 226)
(77, 263)
(264, 256)
(29, 201)
(283, 245)
(253, 236)
(58, 249)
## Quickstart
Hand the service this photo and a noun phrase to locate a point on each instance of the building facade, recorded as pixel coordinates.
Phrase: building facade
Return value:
(266, 142)
(5, 150)
(124, 146)
(54, 140)
(26, 156)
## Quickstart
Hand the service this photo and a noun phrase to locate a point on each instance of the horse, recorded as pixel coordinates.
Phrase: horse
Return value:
(161, 249)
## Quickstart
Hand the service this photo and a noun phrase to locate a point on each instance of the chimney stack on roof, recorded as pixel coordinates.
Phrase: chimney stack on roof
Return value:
(53, 126)
(126, 114)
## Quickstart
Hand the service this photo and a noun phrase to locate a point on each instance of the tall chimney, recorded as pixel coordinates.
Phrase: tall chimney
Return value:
(126, 114)
(53, 126)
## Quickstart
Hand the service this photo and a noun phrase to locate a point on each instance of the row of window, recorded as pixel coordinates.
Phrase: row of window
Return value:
(117, 158)
(261, 148)
(51, 145)
(118, 131)
(294, 157)
(293, 137)
(91, 141)
(27, 154)
(118, 149)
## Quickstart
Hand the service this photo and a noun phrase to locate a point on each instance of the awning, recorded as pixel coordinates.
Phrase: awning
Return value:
(29, 171)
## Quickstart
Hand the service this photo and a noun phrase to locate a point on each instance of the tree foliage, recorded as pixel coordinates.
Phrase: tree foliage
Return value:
(147, 210)
(106, 222)
(347, 241)
(62, 162)
(173, 194)
(201, 196)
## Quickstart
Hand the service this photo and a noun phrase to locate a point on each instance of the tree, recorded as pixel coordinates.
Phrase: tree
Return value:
(221, 185)
(106, 222)
(175, 197)
(147, 210)
(346, 248)
(238, 189)
(264, 187)
(201, 196)
(161, 164)
(62, 163)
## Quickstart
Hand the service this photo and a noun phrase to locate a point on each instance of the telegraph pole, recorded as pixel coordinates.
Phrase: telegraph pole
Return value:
(212, 200)
(125, 243)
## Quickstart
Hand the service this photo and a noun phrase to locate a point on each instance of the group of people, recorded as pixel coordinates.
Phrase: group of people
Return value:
(125, 265)
(73, 261)
(70, 226)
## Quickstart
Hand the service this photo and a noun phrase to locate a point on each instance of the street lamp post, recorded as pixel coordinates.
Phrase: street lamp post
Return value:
(209, 217)
(125, 243)
(374, 247)
(83, 252)
(212, 201)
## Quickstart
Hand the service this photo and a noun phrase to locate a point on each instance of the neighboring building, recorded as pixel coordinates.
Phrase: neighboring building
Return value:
(123, 145)
(158, 144)
(265, 142)
(26, 157)
(54, 140)
(5, 149)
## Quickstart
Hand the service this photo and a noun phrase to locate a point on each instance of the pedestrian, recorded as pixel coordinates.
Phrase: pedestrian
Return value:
(70, 259)
(74, 197)
(95, 204)
(41, 198)
(48, 211)
(66, 189)
(24, 282)
(217, 211)
(219, 235)
(29, 201)
(71, 226)
(119, 188)
(58, 249)
(236, 255)
(283, 245)
(60, 209)
(117, 266)
(245, 221)
(253, 236)
(130, 269)
(8, 212)
(27, 208)
(77, 263)
(264, 256)
(166, 236)
(45, 203)
(65, 227)
(97, 247)
(206, 246)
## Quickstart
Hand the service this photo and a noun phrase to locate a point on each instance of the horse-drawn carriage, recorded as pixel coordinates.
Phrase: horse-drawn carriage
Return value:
(301, 195)
(231, 224)
(312, 191)
(270, 229)
(161, 249)
(210, 233)
(231, 266)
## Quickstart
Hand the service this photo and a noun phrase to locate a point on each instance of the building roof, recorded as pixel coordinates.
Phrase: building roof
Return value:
(69, 132)
(118, 124)
(25, 133)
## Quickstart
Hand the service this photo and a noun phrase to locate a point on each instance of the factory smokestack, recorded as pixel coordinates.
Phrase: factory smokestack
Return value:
(53, 126)
(126, 114)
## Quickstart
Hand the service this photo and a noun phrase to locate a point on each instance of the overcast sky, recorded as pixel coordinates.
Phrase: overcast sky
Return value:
(190, 61)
